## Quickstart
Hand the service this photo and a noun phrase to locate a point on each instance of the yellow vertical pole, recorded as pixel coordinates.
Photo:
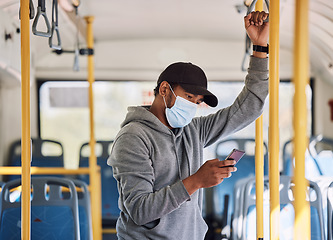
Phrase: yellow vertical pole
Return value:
(301, 78)
(95, 183)
(274, 179)
(259, 178)
(259, 168)
(26, 134)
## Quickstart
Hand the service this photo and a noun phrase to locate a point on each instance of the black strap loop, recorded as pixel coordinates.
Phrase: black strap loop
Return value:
(86, 51)
(41, 12)
(31, 10)
(41, 4)
(55, 26)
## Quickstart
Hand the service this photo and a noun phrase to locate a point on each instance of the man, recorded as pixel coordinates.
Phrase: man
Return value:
(157, 157)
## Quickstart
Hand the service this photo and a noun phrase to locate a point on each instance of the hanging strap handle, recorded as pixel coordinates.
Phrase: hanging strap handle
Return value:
(252, 6)
(76, 65)
(55, 28)
(41, 12)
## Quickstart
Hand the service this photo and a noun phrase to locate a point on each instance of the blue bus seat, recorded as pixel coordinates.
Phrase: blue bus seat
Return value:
(321, 149)
(53, 216)
(110, 195)
(237, 219)
(323, 183)
(287, 157)
(289, 161)
(318, 158)
(287, 213)
(311, 167)
(245, 168)
(84, 206)
(45, 153)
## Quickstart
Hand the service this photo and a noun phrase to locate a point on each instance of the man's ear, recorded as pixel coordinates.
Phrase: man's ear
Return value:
(164, 86)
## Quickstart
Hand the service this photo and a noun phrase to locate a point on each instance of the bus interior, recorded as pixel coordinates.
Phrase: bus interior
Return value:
(106, 55)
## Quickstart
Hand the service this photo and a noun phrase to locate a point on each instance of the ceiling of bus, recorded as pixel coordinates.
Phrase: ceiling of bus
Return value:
(214, 20)
(132, 19)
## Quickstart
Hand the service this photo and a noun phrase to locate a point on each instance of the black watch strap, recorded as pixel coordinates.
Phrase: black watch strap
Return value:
(259, 48)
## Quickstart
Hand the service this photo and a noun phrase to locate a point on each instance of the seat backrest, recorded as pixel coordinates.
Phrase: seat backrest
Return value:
(319, 156)
(110, 195)
(84, 206)
(245, 168)
(45, 153)
(237, 216)
(321, 149)
(52, 214)
(287, 213)
(287, 156)
(248, 210)
(323, 183)
(330, 212)
(316, 207)
(312, 169)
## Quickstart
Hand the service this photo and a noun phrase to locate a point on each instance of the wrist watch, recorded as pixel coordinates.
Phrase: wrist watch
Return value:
(259, 48)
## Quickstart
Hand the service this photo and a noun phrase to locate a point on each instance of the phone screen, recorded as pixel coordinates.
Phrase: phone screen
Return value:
(235, 155)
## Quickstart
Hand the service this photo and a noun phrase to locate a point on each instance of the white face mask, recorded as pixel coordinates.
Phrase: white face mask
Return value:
(181, 113)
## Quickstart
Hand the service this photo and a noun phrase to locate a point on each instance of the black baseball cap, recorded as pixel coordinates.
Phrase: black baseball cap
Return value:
(191, 78)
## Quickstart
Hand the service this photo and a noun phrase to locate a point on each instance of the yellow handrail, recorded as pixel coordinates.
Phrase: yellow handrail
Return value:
(274, 179)
(43, 170)
(95, 178)
(26, 134)
(109, 230)
(301, 78)
(259, 168)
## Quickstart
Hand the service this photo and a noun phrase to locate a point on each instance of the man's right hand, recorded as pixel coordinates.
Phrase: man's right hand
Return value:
(257, 30)
(256, 27)
(210, 174)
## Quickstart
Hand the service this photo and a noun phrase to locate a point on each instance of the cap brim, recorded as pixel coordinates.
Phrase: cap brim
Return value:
(209, 98)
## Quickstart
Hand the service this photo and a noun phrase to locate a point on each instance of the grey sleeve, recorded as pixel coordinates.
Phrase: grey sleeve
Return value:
(246, 108)
(134, 172)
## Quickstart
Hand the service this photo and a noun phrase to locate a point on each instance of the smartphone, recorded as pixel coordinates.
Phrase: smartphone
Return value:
(235, 154)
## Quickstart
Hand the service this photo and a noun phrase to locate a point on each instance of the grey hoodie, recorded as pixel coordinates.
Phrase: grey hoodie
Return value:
(150, 161)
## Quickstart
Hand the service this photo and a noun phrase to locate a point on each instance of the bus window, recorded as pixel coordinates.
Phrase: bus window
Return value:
(64, 111)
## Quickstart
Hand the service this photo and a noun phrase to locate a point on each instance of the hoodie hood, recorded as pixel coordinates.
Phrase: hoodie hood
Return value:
(139, 114)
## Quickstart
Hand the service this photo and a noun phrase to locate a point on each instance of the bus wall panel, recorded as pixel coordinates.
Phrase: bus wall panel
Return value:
(10, 117)
(10, 50)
